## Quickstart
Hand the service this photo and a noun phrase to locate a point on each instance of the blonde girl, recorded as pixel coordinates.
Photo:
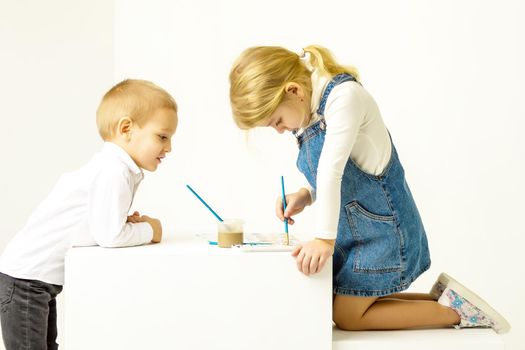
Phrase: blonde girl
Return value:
(367, 218)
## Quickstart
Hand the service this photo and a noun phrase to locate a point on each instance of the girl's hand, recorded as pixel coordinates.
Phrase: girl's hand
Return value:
(135, 218)
(295, 203)
(312, 256)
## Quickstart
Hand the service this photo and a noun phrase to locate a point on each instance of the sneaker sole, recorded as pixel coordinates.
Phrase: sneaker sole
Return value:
(500, 323)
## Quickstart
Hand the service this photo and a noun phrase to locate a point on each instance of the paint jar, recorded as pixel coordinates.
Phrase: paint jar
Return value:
(230, 232)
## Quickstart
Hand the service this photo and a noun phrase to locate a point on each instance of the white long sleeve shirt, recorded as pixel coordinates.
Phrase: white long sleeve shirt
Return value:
(354, 130)
(88, 206)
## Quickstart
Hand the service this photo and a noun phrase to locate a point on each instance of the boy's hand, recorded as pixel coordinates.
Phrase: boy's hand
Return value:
(312, 256)
(157, 228)
(135, 218)
(295, 203)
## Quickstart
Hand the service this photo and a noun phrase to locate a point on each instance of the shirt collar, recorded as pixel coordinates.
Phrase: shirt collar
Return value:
(120, 153)
(319, 83)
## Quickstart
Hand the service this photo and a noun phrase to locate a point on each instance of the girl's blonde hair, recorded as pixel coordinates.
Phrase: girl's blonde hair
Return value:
(259, 76)
(133, 98)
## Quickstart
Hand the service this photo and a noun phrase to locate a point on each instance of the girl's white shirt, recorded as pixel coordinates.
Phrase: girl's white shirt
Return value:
(355, 130)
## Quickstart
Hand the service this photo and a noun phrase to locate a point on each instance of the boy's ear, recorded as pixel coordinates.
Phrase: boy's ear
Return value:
(124, 127)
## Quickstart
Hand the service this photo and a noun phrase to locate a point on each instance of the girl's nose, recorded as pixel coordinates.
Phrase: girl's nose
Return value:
(279, 129)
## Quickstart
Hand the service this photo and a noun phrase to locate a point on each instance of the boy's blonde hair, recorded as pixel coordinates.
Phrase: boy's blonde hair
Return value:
(132, 98)
(259, 76)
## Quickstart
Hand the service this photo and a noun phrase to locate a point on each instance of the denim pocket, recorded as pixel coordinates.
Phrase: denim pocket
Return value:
(7, 286)
(377, 241)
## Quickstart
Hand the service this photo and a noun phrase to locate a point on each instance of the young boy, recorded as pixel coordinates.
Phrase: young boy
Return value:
(90, 206)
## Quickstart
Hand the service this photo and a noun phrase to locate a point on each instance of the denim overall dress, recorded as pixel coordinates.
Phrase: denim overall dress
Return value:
(381, 245)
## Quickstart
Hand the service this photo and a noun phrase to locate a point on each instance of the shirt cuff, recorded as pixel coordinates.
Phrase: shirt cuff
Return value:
(326, 235)
(144, 231)
(311, 191)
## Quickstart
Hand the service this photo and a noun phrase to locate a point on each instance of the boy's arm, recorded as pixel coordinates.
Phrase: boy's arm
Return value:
(109, 202)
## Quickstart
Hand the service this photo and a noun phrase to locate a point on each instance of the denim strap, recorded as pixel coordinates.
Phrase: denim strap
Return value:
(336, 80)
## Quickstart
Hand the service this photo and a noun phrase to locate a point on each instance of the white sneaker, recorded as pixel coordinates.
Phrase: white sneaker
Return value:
(473, 311)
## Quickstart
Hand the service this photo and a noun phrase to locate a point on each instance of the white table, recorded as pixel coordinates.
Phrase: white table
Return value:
(186, 294)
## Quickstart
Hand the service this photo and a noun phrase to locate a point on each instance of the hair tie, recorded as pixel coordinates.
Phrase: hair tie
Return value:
(306, 56)
(302, 54)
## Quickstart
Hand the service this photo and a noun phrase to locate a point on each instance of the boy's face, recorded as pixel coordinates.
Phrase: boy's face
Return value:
(149, 144)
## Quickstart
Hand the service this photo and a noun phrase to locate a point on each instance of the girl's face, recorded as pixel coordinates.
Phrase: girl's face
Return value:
(294, 112)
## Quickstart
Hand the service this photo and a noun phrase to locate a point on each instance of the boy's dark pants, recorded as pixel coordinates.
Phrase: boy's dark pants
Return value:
(29, 314)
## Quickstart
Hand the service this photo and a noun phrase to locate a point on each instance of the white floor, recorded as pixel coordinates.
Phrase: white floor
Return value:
(438, 339)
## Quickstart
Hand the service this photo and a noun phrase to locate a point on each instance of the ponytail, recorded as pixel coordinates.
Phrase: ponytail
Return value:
(322, 59)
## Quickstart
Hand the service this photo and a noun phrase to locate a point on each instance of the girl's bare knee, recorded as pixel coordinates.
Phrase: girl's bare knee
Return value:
(346, 321)
(348, 312)
(348, 325)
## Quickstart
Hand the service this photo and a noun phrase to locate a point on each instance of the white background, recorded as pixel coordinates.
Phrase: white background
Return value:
(448, 77)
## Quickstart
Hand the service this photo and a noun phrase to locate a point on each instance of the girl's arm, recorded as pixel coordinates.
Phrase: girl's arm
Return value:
(344, 113)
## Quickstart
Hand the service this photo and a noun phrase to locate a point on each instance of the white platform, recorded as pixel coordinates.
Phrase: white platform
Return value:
(185, 294)
(427, 339)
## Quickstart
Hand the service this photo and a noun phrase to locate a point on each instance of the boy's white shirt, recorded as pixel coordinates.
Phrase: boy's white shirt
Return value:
(86, 207)
(355, 129)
